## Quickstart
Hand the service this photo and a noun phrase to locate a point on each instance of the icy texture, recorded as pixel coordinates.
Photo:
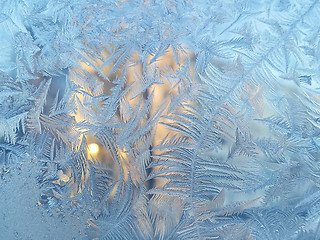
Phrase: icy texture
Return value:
(207, 115)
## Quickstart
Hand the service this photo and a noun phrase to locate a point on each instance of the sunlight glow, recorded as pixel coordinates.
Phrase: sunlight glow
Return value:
(93, 148)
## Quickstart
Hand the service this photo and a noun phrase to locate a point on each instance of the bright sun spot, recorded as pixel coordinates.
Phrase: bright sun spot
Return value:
(93, 148)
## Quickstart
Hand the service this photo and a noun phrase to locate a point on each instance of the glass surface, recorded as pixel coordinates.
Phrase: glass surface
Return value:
(159, 119)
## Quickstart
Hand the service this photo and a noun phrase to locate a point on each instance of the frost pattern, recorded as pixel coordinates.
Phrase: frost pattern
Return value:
(207, 114)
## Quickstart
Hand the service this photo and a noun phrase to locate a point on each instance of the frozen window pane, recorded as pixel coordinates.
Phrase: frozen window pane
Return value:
(159, 119)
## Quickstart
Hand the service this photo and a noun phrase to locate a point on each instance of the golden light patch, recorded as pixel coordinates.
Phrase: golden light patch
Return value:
(93, 148)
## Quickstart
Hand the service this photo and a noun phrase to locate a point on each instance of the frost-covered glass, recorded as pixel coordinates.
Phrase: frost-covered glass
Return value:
(159, 119)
